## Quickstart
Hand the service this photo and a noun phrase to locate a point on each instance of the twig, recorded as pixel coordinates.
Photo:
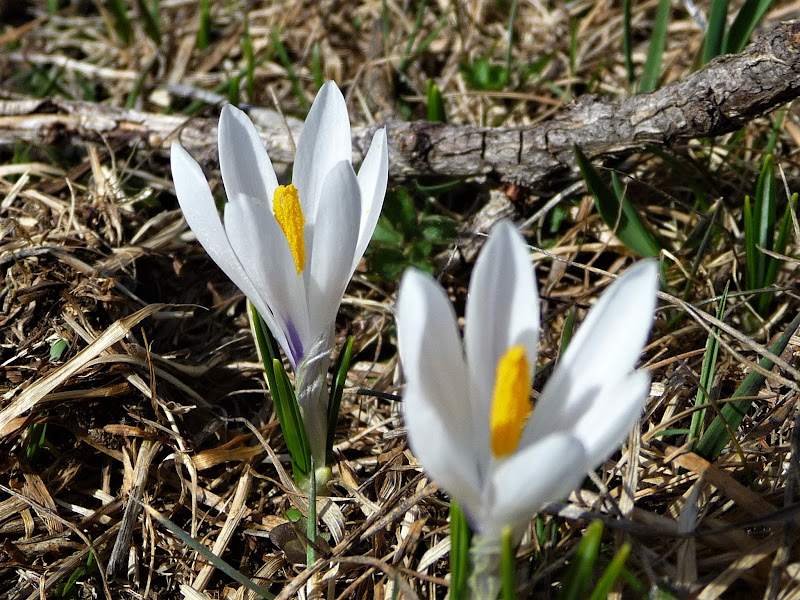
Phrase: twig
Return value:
(723, 96)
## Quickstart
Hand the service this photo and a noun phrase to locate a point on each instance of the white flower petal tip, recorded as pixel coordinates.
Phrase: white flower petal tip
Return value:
(373, 177)
(292, 265)
(590, 403)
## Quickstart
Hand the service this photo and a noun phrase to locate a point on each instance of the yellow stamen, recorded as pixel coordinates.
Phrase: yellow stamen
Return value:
(289, 214)
(511, 404)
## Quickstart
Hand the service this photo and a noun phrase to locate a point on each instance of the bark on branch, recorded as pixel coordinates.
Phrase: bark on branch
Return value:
(719, 98)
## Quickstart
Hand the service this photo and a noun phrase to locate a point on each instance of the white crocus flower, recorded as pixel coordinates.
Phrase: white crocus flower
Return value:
(468, 412)
(291, 249)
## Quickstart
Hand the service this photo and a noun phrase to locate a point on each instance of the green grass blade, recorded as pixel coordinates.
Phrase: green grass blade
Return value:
(250, 62)
(582, 563)
(652, 66)
(707, 373)
(138, 86)
(340, 370)
(204, 30)
(122, 23)
(779, 248)
(207, 554)
(317, 72)
(150, 20)
(750, 251)
(291, 420)
(233, 90)
(569, 328)
(620, 216)
(627, 45)
(764, 219)
(715, 32)
(777, 131)
(436, 112)
(283, 397)
(612, 574)
(460, 541)
(716, 436)
(407, 56)
(283, 56)
(747, 19)
(265, 344)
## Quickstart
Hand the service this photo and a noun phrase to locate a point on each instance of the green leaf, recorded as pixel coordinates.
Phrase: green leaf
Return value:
(283, 397)
(717, 435)
(250, 61)
(618, 214)
(204, 30)
(291, 420)
(317, 72)
(386, 234)
(707, 373)
(612, 574)
(207, 554)
(387, 263)
(340, 370)
(508, 568)
(409, 56)
(438, 229)
(150, 20)
(771, 276)
(569, 327)
(35, 440)
(582, 563)
(715, 31)
(122, 24)
(747, 19)
(436, 112)
(283, 56)
(481, 75)
(460, 542)
(57, 349)
(652, 66)
(626, 40)
(764, 215)
(750, 251)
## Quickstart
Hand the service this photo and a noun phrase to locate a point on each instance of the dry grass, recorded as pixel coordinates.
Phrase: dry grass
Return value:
(171, 408)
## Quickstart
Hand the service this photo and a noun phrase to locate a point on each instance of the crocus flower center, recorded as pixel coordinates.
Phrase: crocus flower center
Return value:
(289, 214)
(511, 404)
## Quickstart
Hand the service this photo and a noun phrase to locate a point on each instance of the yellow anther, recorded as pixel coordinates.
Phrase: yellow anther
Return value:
(511, 404)
(289, 214)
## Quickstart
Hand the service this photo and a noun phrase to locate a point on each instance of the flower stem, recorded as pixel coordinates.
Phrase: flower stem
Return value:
(311, 527)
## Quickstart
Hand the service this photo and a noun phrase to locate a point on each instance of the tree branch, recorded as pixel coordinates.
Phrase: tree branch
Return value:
(719, 98)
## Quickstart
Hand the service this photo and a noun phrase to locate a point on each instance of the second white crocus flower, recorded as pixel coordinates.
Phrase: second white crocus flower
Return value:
(291, 249)
(469, 416)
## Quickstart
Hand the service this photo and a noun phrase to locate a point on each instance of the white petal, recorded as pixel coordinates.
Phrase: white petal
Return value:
(439, 447)
(372, 179)
(611, 417)
(246, 168)
(530, 479)
(324, 141)
(433, 363)
(197, 204)
(335, 238)
(259, 242)
(603, 351)
(502, 309)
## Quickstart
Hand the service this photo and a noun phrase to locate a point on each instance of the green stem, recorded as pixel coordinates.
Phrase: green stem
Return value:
(311, 527)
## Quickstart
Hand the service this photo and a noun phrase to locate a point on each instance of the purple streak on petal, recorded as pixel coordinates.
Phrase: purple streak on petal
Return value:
(295, 344)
